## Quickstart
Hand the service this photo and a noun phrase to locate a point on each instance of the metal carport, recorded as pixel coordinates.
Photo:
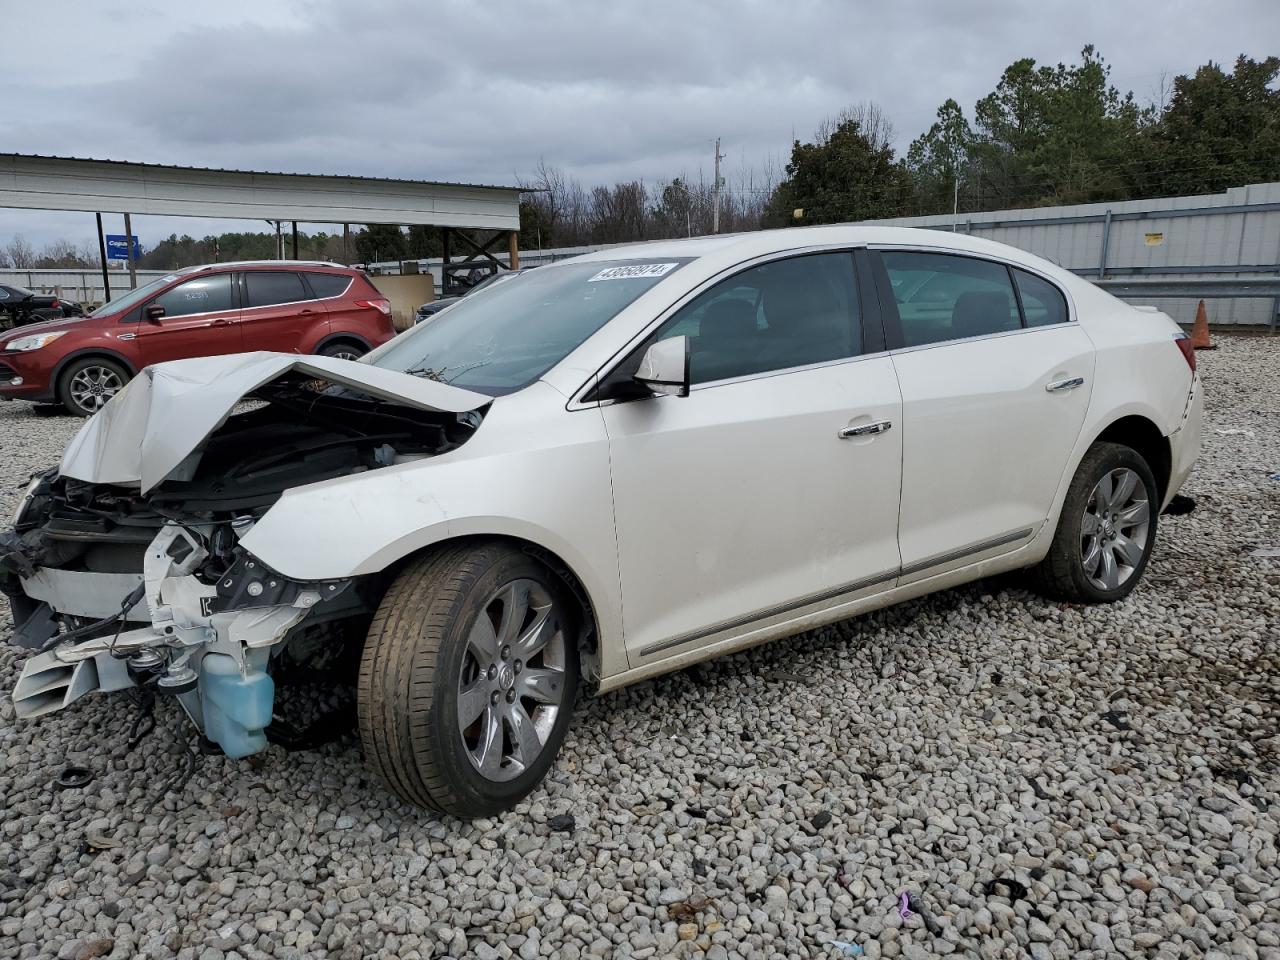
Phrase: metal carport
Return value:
(112, 186)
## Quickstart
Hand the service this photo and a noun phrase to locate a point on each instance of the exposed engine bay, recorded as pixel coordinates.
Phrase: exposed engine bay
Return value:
(115, 588)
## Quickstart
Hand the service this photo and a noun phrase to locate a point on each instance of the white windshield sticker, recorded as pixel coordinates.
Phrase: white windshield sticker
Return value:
(633, 271)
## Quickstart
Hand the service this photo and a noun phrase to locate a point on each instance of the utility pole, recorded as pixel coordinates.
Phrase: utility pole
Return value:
(715, 192)
(955, 189)
(128, 244)
(102, 252)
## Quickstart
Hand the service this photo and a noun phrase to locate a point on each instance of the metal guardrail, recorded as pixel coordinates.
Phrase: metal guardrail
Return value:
(1203, 288)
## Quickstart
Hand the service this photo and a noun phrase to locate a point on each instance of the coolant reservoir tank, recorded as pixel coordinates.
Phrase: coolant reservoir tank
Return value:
(236, 708)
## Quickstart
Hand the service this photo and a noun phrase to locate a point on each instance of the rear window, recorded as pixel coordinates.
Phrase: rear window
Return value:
(1042, 302)
(328, 285)
(266, 287)
(941, 296)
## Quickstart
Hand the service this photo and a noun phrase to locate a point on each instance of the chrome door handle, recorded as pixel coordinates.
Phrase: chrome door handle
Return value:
(1069, 384)
(866, 429)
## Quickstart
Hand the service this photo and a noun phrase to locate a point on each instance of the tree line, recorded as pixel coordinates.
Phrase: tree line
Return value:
(1045, 135)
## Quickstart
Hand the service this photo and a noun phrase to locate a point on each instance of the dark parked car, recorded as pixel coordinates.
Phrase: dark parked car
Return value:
(278, 305)
(435, 306)
(20, 306)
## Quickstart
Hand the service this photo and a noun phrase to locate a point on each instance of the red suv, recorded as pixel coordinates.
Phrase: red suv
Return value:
(285, 306)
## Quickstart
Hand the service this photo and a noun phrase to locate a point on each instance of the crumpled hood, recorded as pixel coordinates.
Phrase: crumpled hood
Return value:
(168, 410)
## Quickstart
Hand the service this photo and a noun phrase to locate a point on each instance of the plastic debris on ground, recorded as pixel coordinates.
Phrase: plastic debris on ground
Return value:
(847, 949)
(909, 903)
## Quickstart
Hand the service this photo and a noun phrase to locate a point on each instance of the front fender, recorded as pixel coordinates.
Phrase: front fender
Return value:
(533, 473)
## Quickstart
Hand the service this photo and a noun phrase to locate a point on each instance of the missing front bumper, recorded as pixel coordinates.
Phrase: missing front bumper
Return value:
(208, 645)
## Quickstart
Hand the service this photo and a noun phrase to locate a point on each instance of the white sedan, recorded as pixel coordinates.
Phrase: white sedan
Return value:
(596, 472)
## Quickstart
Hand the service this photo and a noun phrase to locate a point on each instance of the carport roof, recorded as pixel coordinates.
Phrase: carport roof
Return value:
(40, 182)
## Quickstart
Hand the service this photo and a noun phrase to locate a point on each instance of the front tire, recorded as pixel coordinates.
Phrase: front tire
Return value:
(343, 350)
(86, 385)
(1107, 529)
(468, 679)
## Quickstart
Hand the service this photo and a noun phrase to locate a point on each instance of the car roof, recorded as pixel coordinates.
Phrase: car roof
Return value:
(743, 246)
(268, 265)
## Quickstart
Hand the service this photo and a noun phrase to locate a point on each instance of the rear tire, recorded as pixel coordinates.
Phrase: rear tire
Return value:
(344, 350)
(86, 385)
(471, 652)
(1106, 531)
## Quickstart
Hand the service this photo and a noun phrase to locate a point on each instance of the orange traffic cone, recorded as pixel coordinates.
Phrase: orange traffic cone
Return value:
(1200, 330)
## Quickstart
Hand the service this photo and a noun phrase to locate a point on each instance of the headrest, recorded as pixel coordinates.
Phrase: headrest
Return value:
(981, 311)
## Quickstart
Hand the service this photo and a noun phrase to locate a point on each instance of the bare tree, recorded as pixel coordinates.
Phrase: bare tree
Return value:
(619, 213)
(1161, 93)
(60, 254)
(20, 254)
(870, 118)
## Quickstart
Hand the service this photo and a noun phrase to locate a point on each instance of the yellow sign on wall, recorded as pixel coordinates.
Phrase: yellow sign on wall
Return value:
(1155, 239)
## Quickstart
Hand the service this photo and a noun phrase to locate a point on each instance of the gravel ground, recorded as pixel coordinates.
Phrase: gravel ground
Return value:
(1115, 769)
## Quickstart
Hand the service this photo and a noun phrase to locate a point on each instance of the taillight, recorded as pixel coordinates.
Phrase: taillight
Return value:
(382, 305)
(1188, 351)
(56, 304)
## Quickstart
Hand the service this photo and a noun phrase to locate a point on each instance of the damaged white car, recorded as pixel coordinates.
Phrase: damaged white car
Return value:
(601, 470)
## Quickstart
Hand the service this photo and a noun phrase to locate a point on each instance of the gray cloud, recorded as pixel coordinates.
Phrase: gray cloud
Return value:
(481, 92)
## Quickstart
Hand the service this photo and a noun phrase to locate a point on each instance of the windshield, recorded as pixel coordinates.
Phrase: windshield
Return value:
(131, 299)
(507, 336)
(488, 282)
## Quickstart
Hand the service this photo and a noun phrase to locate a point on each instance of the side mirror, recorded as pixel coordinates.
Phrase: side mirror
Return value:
(664, 368)
(153, 313)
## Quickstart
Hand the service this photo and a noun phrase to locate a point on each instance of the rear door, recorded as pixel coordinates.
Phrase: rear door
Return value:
(333, 293)
(201, 319)
(995, 378)
(279, 311)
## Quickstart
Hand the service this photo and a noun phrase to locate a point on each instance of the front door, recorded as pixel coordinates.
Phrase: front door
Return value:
(995, 380)
(201, 319)
(772, 489)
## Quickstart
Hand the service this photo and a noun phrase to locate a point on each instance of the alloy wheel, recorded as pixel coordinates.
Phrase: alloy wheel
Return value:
(512, 685)
(1115, 528)
(93, 386)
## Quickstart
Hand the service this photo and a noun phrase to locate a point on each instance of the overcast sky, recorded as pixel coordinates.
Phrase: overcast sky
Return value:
(481, 91)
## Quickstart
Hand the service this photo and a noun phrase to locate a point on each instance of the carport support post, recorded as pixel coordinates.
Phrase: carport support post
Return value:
(346, 244)
(515, 250)
(128, 243)
(295, 239)
(102, 254)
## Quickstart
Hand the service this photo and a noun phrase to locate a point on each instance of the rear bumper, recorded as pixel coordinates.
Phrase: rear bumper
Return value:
(1184, 443)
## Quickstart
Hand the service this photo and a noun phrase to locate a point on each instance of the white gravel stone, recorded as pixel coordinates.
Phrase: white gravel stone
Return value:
(955, 740)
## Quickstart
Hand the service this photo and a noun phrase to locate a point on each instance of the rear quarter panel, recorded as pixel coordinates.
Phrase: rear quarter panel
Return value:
(1139, 369)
